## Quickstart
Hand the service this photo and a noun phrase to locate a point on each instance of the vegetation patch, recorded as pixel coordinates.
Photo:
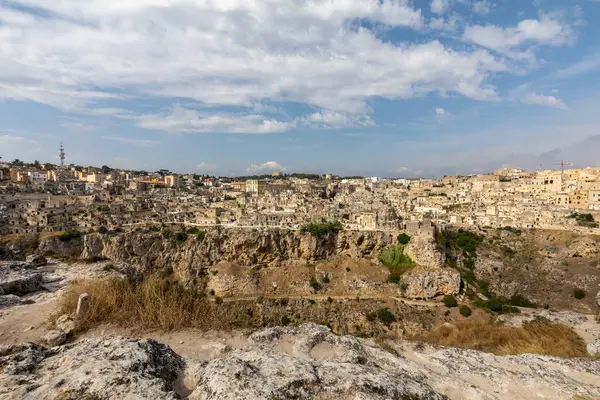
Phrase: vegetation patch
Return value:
(383, 314)
(69, 235)
(584, 219)
(322, 229)
(403, 238)
(396, 261)
(465, 311)
(578, 293)
(536, 337)
(516, 231)
(450, 301)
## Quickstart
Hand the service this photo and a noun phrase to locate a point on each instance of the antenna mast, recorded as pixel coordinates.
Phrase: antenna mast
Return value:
(62, 155)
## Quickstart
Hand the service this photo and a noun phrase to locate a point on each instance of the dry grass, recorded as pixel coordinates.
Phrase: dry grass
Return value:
(535, 337)
(154, 304)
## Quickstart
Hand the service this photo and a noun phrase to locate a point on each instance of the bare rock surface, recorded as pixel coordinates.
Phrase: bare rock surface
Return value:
(423, 250)
(112, 368)
(19, 279)
(305, 362)
(425, 283)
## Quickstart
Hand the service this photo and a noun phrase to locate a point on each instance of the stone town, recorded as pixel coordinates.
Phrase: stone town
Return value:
(41, 197)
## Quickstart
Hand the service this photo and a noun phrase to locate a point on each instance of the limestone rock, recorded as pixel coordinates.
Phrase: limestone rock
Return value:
(598, 299)
(423, 250)
(65, 324)
(425, 283)
(54, 338)
(9, 300)
(264, 372)
(36, 260)
(594, 348)
(16, 278)
(113, 368)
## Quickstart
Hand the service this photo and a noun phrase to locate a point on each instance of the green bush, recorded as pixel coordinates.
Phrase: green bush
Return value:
(465, 311)
(450, 301)
(519, 300)
(513, 230)
(578, 293)
(193, 230)
(386, 316)
(167, 233)
(322, 229)
(314, 284)
(180, 237)
(325, 279)
(403, 238)
(69, 235)
(102, 230)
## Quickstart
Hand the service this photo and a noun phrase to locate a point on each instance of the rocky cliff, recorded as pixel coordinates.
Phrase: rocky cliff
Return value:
(242, 246)
(307, 362)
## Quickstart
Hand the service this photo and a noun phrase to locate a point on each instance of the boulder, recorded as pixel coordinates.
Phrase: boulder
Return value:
(598, 299)
(36, 260)
(594, 348)
(18, 280)
(423, 250)
(65, 324)
(9, 300)
(105, 368)
(54, 338)
(423, 283)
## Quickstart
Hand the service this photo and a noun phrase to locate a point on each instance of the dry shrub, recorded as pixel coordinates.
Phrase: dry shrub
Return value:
(153, 304)
(536, 337)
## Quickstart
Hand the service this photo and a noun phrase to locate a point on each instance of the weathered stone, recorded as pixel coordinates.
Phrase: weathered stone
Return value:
(17, 279)
(114, 368)
(598, 299)
(83, 303)
(65, 324)
(54, 338)
(423, 250)
(9, 300)
(594, 348)
(36, 260)
(429, 283)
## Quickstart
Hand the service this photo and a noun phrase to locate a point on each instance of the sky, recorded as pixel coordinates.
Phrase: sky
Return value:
(351, 87)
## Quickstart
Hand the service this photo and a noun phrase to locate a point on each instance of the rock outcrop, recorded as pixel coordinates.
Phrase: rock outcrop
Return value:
(243, 246)
(19, 279)
(424, 283)
(102, 368)
(422, 249)
(307, 362)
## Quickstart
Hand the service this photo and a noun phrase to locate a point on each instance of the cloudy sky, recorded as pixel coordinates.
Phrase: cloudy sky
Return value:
(375, 87)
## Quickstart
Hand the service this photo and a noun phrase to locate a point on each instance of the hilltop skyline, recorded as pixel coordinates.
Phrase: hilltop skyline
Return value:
(380, 88)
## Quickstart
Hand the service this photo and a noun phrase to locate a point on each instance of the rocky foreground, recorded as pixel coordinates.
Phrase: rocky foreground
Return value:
(307, 362)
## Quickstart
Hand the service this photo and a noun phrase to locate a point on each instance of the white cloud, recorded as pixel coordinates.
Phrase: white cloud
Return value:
(292, 51)
(439, 6)
(333, 119)
(180, 119)
(546, 30)
(549, 101)
(402, 170)
(482, 7)
(132, 141)
(77, 126)
(203, 166)
(441, 114)
(269, 166)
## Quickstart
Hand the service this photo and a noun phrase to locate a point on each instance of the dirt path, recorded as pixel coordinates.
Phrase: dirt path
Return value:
(25, 323)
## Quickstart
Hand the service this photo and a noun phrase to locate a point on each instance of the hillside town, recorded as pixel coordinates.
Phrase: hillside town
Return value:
(45, 198)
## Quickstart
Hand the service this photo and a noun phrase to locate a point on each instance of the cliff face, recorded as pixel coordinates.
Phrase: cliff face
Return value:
(150, 251)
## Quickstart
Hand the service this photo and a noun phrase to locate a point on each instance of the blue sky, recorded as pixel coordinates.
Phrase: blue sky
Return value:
(374, 87)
